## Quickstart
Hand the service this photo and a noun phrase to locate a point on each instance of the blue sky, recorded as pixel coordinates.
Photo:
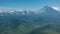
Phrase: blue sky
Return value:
(28, 4)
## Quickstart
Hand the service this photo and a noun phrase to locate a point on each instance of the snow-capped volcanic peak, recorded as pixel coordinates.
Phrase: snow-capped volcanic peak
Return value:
(56, 8)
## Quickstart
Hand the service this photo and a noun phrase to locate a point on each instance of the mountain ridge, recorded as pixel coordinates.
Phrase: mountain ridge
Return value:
(27, 11)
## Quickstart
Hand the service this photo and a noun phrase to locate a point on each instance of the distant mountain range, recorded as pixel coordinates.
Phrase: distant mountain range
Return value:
(43, 21)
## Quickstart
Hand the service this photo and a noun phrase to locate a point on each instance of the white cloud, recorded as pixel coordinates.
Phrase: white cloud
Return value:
(56, 8)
